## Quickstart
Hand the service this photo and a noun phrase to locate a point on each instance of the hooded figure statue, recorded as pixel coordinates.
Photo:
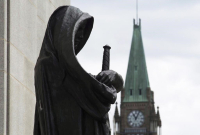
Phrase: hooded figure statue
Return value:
(70, 101)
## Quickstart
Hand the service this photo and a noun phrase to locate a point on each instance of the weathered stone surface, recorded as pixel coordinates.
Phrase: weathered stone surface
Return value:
(3, 34)
(3, 76)
(57, 3)
(1, 54)
(3, 65)
(21, 68)
(22, 106)
(41, 9)
(23, 22)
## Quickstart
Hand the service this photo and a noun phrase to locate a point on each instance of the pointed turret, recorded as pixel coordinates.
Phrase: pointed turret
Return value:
(158, 113)
(158, 117)
(116, 111)
(137, 81)
(153, 111)
(116, 121)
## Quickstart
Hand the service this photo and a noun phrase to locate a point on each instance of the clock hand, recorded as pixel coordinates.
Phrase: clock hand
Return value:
(137, 115)
(133, 118)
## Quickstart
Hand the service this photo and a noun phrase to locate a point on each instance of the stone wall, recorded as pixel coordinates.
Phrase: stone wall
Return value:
(3, 65)
(22, 27)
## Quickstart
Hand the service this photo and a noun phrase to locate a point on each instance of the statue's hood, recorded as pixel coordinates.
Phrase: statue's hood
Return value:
(61, 33)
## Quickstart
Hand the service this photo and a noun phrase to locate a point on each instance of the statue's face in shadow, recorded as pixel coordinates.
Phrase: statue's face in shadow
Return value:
(79, 35)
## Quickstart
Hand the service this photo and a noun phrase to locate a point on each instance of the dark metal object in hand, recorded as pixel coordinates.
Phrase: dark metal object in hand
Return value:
(106, 58)
(106, 66)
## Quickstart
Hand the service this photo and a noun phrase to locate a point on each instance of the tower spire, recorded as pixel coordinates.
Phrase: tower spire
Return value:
(136, 11)
(137, 81)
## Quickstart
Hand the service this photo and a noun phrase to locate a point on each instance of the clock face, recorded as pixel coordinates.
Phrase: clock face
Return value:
(135, 118)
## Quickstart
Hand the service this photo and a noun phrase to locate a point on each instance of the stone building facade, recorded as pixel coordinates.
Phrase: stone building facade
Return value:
(22, 27)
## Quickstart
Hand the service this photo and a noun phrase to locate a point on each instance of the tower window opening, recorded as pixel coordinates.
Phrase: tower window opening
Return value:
(135, 67)
(131, 92)
(140, 91)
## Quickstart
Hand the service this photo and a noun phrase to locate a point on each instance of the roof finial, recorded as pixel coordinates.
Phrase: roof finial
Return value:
(136, 11)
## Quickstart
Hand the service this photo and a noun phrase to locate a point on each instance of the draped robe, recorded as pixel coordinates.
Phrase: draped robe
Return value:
(69, 101)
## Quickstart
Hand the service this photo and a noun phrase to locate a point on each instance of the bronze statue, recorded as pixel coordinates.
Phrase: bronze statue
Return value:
(69, 101)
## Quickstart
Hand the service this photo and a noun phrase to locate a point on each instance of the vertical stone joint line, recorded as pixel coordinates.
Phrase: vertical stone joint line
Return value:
(8, 69)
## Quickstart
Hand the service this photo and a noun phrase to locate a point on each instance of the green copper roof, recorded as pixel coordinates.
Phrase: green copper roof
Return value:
(136, 77)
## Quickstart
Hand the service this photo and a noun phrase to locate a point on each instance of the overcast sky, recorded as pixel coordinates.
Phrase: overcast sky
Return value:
(171, 38)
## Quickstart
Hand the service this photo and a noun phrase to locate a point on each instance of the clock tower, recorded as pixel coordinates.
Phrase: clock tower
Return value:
(137, 111)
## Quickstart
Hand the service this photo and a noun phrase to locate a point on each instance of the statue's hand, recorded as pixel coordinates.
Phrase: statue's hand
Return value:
(106, 77)
(111, 78)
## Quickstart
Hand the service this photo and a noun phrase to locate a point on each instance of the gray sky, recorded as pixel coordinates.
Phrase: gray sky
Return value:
(171, 37)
